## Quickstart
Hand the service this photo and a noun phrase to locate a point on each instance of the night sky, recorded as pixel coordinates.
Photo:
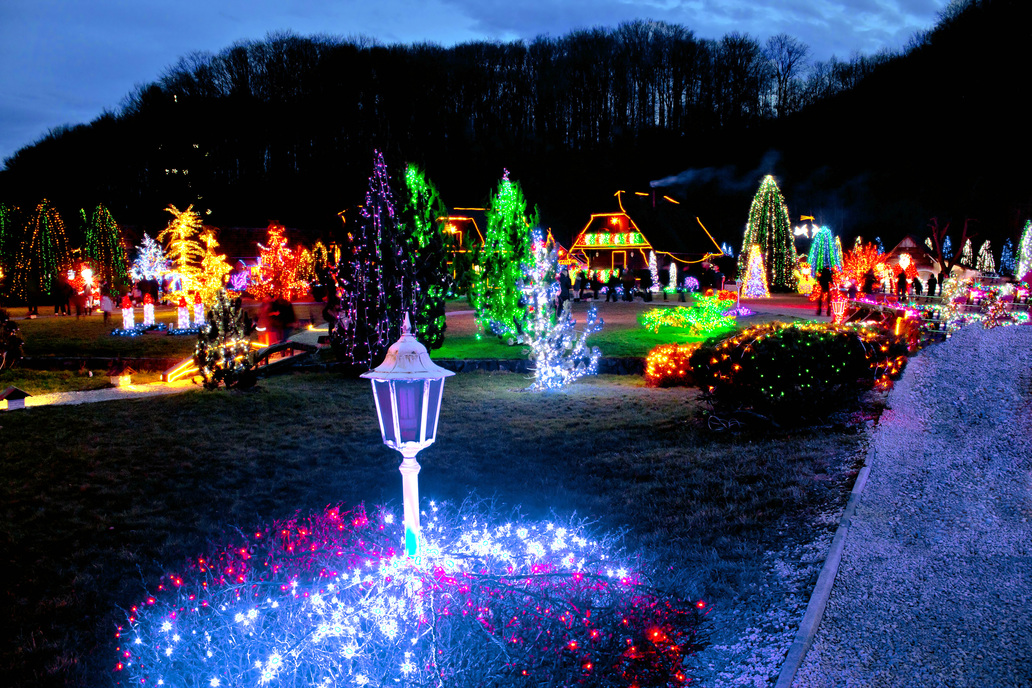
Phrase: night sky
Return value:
(67, 61)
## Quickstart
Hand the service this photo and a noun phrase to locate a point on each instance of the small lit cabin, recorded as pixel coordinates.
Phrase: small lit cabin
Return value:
(462, 231)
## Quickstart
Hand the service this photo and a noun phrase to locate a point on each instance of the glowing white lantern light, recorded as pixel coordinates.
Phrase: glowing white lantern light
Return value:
(198, 311)
(407, 388)
(183, 315)
(148, 313)
(128, 320)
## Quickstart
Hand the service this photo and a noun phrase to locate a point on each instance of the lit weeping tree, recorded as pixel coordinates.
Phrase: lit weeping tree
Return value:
(369, 276)
(967, 257)
(224, 353)
(423, 240)
(214, 269)
(150, 261)
(1007, 258)
(755, 280)
(985, 259)
(104, 247)
(1024, 256)
(507, 246)
(558, 352)
(824, 251)
(770, 228)
(44, 252)
(184, 250)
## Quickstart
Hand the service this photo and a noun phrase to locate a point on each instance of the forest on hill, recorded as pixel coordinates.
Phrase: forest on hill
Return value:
(284, 129)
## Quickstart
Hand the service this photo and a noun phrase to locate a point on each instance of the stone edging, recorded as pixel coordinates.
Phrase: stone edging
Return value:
(822, 591)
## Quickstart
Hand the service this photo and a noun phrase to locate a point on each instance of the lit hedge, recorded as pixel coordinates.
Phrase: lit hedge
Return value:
(799, 369)
(667, 365)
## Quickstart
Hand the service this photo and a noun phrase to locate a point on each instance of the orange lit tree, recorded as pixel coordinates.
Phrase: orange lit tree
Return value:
(184, 250)
(858, 260)
(214, 269)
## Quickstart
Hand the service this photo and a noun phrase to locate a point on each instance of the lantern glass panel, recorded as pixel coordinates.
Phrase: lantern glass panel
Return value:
(385, 409)
(433, 407)
(409, 394)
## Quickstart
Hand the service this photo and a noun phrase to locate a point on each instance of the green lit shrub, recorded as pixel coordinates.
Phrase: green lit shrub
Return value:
(800, 370)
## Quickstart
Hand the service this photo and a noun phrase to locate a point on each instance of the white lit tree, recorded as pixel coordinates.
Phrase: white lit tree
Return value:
(1025, 252)
(150, 261)
(985, 259)
(967, 256)
(654, 272)
(558, 351)
(755, 279)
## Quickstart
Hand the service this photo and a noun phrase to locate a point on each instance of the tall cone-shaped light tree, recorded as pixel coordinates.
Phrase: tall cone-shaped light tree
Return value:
(770, 227)
(507, 248)
(370, 278)
(104, 247)
(43, 254)
(427, 280)
(214, 270)
(1024, 257)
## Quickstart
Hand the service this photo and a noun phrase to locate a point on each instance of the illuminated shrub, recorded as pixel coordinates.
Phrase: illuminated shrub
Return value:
(332, 599)
(797, 370)
(667, 365)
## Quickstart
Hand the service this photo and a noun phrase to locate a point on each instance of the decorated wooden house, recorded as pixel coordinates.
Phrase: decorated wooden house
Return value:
(643, 223)
(463, 232)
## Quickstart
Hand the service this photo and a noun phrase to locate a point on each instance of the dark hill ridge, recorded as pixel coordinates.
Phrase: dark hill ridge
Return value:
(284, 129)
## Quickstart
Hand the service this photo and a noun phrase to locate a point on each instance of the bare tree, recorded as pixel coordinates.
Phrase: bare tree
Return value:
(787, 57)
(938, 233)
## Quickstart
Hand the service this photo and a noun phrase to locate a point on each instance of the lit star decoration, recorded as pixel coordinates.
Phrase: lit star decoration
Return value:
(706, 316)
(559, 353)
(331, 600)
(770, 228)
(755, 279)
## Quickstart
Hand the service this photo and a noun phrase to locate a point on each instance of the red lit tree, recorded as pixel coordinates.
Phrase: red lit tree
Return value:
(282, 270)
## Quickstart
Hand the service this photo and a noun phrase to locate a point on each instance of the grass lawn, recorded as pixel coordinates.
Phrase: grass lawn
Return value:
(49, 381)
(101, 499)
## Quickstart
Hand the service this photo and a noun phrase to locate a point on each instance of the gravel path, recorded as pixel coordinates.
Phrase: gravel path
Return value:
(935, 584)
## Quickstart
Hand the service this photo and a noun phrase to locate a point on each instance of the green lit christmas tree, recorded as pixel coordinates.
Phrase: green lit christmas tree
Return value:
(44, 252)
(495, 295)
(1024, 257)
(825, 251)
(104, 247)
(8, 245)
(770, 227)
(425, 290)
(224, 353)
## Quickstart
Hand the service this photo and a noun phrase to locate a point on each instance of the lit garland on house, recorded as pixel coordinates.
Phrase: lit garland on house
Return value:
(1024, 257)
(706, 316)
(332, 599)
(755, 279)
(43, 254)
(558, 352)
(104, 246)
(507, 246)
(770, 228)
(150, 262)
(184, 250)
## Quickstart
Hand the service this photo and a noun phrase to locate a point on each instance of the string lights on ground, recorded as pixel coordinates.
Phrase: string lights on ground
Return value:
(706, 316)
(332, 599)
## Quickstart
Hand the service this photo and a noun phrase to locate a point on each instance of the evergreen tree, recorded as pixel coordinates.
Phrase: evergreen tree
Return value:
(825, 251)
(150, 261)
(558, 352)
(9, 242)
(104, 247)
(1024, 252)
(1007, 258)
(44, 252)
(370, 315)
(985, 259)
(967, 256)
(224, 353)
(214, 269)
(507, 248)
(428, 260)
(770, 227)
(755, 279)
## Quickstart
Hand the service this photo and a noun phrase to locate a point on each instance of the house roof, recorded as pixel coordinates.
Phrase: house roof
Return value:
(663, 223)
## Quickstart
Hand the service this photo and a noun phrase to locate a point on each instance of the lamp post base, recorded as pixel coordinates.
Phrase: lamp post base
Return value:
(410, 490)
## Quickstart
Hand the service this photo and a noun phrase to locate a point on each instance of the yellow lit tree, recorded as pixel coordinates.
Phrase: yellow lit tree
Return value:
(183, 249)
(214, 269)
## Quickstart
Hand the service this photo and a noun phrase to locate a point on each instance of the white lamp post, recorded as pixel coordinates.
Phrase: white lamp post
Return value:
(407, 388)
